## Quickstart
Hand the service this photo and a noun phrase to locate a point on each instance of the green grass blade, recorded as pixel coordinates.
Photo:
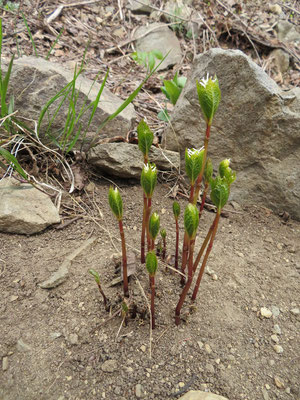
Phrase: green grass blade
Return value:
(96, 101)
(4, 86)
(54, 43)
(13, 162)
(30, 35)
(74, 140)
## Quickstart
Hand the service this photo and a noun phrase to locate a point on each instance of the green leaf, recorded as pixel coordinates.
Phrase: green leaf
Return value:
(149, 179)
(115, 202)
(151, 263)
(13, 162)
(163, 233)
(154, 224)
(193, 163)
(191, 220)
(145, 137)
(219, 192)
(172, 90)
(95, 275)
(176, 209)
(209, 96)
(226, 172)
(163, 115)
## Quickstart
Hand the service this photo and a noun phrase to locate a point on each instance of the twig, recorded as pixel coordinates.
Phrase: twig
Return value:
(290, 8)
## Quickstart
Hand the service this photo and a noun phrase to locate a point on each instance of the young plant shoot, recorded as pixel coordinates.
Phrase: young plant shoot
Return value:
(191, 221)
(145, 140)
(154, 224)
(116, 205)
(148, 183)
(176, 212)
(220, 189)
(163, 234)
(97, 280)
(151, 265)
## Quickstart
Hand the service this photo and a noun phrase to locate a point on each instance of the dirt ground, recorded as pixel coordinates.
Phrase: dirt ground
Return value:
(61, 343)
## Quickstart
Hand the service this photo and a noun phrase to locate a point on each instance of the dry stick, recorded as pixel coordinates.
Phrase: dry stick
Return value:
(188, 283)
(124, 259)
(206, 255)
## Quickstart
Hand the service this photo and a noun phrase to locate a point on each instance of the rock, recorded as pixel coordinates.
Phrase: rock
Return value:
(73, 338)
(287, 31)
(161, 38)
(39, 80)
(138, 8)
(199, 395)
(24, 209)
(207, 348)
(22, 346)
(138, 390)
(275, 311)
(125, 160)
(4, 363)
(210, 368)
(278, 349)
(276, 329)
(282, 60)
(265, 312)
(295, 311)
(57, 278)
(109, 366)
(275, 9)
(278, 382)
(266, 174)
(275, 338)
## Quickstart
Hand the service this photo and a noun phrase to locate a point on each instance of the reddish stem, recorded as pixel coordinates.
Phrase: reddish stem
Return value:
(203, 247)
(185, 249)
(143, 259)
(103, 295)
(124, 259)
(147, 217)
(206, 255)
(199, 179)
(152, 287)
(177, 244)
(152, 244)
(188, 283)
(164, 249)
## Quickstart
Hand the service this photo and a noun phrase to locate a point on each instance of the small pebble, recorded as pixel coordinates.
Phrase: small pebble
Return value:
(268, 387)
(278, 349)
(275, 339)
(181, 384)
(109, 366)
(214, 277)
(265, 312)
(73, 338)
(4, 363)
(275, 311)
(138, 390)
(275, 9)
(276, 329)
(278, 382)
(295, 311)
(207, 348)
(210, 368)
(69, 378)
(200, 344)
(143, 348)
(272, 362)
(13, 298)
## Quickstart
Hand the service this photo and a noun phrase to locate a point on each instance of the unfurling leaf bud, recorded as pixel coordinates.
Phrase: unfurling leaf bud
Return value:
(193, 163)
(176, 209)
(95, 275)
(154, 224)
(151, 263)
(149, 179)
(145, 137)
(115, 202)
(209, 95)
(208, 171)
(219, 192)
(163, 233)
(191, 220)
(226, 172)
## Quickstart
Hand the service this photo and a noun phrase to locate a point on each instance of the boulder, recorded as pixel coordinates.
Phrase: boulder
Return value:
(199, 395)
(38, 80)
(125, 160)
(138, 8)
(157, 36)
(24, 209)
(257, 125)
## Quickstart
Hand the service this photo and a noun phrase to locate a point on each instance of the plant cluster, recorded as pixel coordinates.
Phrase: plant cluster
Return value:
(199, 169)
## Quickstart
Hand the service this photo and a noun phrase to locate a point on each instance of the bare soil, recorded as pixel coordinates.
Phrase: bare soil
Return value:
(223, 344)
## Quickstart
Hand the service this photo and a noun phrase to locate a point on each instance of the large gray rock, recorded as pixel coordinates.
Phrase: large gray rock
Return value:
(24, 209)
(287, 32)
(38, 80)
(199, 395)
(257, 126)
(125, 160)
(159, 37)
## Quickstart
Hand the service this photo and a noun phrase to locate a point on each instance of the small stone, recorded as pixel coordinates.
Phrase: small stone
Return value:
(275, 339)
(275, 9)
(4, 363)
(265, 394)
(143, 348)
(265, 312)
(13, 298)
(73, 338)
(295, 311)
(181, 384)
(21, 346)
(278, 349)
(55, 335)
(138, 390)
(207, 348)
(214, 277)
(278, 382)
(288, 390)
(272, 363)
(268, 387)
(240, 254)
(109, 366)
(231, 357)
(275, 311)
(69, 378)
(210, 368)
(276, 329)
(200, 344)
